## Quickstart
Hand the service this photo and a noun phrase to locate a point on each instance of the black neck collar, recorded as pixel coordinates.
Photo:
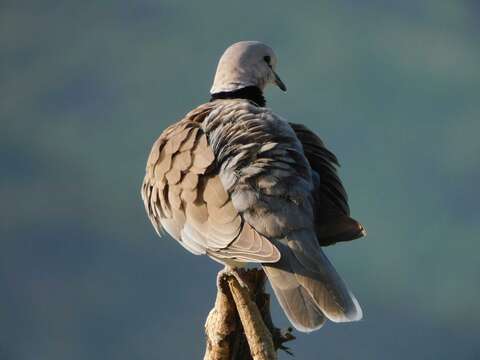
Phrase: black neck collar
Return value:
(251, 93)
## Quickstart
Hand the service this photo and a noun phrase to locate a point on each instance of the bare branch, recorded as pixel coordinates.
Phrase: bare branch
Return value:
(240, 327)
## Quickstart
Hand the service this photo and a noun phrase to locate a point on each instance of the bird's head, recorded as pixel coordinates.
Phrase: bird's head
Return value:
(246, 63)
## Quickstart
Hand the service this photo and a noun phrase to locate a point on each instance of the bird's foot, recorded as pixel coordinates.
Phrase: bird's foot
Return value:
(281, 336)
(225, 273)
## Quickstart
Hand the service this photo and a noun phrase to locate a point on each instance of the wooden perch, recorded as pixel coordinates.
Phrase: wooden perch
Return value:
(239, 327)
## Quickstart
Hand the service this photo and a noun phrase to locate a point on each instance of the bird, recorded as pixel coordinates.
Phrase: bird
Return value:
(236, 182)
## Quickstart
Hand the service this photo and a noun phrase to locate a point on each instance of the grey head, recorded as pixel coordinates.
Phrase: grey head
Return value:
(246, 63)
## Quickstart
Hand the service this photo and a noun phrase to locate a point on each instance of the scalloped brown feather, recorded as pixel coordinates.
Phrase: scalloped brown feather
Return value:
(184, 196)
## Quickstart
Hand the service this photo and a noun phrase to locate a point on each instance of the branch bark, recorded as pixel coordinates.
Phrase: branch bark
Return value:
(220, 326)
(239, 327)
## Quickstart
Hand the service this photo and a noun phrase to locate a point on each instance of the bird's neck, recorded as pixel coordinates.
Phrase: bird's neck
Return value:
(251, 93)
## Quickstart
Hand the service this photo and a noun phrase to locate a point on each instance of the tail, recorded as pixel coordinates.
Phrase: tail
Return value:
(307, 286)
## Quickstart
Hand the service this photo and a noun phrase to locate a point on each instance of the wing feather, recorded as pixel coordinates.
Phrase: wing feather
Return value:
(183, 194)
(332, 212)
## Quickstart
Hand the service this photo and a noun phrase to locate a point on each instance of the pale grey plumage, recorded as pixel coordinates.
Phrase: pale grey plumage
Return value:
(234, 181)
(241, 66)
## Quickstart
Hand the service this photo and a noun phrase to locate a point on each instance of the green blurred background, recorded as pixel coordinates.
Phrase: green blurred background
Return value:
(87, 86)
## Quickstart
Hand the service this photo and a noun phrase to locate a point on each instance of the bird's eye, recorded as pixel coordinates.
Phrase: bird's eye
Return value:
(267, 59)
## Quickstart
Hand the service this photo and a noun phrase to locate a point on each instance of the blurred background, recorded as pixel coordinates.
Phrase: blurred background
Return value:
(87, 86)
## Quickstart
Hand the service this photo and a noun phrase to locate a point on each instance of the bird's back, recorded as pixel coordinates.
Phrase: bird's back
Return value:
(184, 191)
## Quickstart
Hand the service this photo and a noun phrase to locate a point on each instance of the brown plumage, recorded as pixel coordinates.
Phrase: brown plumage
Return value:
(234, 181)
(184, 196)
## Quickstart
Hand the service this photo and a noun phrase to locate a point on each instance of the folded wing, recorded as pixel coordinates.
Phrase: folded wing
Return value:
(332, 214)
(183, 195)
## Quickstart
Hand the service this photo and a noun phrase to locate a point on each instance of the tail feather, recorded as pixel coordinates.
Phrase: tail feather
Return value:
(307, 285)
(295, 301)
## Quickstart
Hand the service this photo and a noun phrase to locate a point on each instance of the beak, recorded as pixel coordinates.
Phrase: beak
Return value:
(279, 82)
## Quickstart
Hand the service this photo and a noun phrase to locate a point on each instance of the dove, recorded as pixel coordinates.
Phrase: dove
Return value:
(236, 182)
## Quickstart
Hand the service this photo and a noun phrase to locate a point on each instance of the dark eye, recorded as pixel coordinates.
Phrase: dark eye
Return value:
(267, 59)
